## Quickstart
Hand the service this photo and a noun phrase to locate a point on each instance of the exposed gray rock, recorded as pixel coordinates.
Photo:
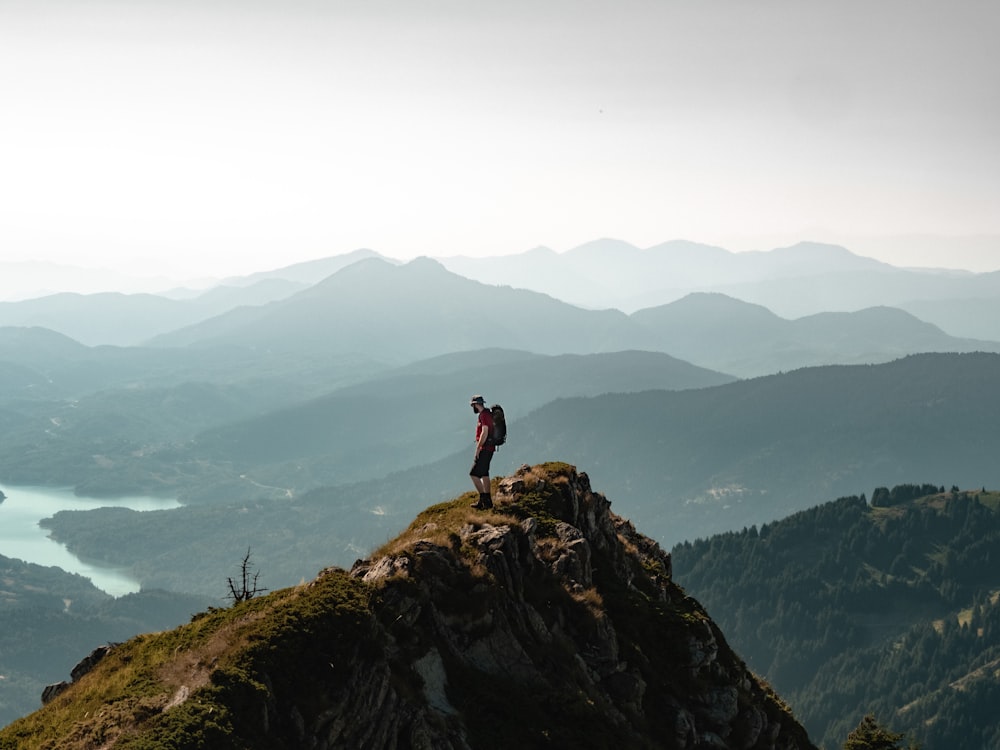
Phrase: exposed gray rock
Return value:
(85, 665)
(503, 630)
(90, 661)
(51, 691)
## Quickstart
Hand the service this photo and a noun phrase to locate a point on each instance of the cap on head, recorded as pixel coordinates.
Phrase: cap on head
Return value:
(478, 400)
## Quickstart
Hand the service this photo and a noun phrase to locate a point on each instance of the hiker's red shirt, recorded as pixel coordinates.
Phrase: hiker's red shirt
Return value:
(485, 423)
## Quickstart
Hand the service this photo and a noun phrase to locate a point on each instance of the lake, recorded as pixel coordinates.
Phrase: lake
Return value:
(21, 537)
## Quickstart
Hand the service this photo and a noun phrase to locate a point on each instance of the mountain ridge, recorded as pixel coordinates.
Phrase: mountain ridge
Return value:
(613, 273)
(374, 306)
(747, 340)
(421, 309)
(542, 623)
(793, 281)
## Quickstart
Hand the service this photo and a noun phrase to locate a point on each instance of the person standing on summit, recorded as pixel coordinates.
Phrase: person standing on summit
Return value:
(480, 471)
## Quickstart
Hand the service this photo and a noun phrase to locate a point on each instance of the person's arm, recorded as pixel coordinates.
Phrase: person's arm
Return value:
(483, 433)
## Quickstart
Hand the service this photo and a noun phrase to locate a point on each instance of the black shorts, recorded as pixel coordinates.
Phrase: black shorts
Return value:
(481, 466)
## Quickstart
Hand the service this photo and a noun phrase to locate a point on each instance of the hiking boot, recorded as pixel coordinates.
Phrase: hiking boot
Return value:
(486, 501)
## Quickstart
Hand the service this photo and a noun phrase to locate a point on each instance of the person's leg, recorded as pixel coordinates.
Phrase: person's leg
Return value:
(486, 458)
(482, 485)
(484, 494)
(480, 480)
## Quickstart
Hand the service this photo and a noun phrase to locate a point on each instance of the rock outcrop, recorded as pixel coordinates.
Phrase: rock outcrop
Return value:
(84, 666)
(547, 622)
(576, 607)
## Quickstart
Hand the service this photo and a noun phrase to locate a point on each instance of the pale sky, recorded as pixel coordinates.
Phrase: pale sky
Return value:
(214, 137)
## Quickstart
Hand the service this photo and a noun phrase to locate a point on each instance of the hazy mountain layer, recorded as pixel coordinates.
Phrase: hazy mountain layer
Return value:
(978, 317)
(222, 441)
(704, 461)
(411, 312)
(723, 333)
(612, 273)
(308, 272)
(418, 414)
(375, 310)
(797, 281)
(686, 464)
(130, 319)
(50, 367)
(415, 311)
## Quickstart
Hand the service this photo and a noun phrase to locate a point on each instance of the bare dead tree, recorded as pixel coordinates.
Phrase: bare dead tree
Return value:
(245, 588)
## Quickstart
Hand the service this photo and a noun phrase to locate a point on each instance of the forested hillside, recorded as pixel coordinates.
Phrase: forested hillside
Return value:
(52, 618)
(699, 462)
(849, 608)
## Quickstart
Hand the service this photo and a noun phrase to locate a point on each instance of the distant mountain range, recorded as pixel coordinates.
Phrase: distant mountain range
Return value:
(21, 280)
(131, 319)
(726, 334)
(410, 312)
(417, 310)
(306, 273)
(792, 282)
(612, 273)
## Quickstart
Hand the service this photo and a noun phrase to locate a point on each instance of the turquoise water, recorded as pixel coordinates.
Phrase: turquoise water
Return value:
(21, 537)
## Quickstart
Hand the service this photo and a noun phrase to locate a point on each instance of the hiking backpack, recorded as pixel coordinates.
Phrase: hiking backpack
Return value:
(499, 434)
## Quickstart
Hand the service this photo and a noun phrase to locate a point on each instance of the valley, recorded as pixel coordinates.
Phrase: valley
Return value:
(310, 417)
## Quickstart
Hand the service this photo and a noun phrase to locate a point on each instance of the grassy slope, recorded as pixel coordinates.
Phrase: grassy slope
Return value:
(218, 671)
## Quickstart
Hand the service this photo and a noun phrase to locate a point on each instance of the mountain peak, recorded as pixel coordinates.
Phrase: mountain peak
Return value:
(717, 303)
(310, 271)
(549, 621)
(387, 268)
(602, 247)
(817, 257)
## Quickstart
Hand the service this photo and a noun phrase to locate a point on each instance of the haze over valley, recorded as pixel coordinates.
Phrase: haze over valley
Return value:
(307, 413)
(731, 269)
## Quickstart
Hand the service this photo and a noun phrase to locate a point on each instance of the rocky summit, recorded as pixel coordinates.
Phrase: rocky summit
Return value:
(547, 622)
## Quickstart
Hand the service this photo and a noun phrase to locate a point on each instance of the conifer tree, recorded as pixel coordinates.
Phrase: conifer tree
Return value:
(869, 735)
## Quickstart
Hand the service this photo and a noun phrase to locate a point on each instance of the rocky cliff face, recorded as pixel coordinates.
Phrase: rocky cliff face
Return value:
(547, 622)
